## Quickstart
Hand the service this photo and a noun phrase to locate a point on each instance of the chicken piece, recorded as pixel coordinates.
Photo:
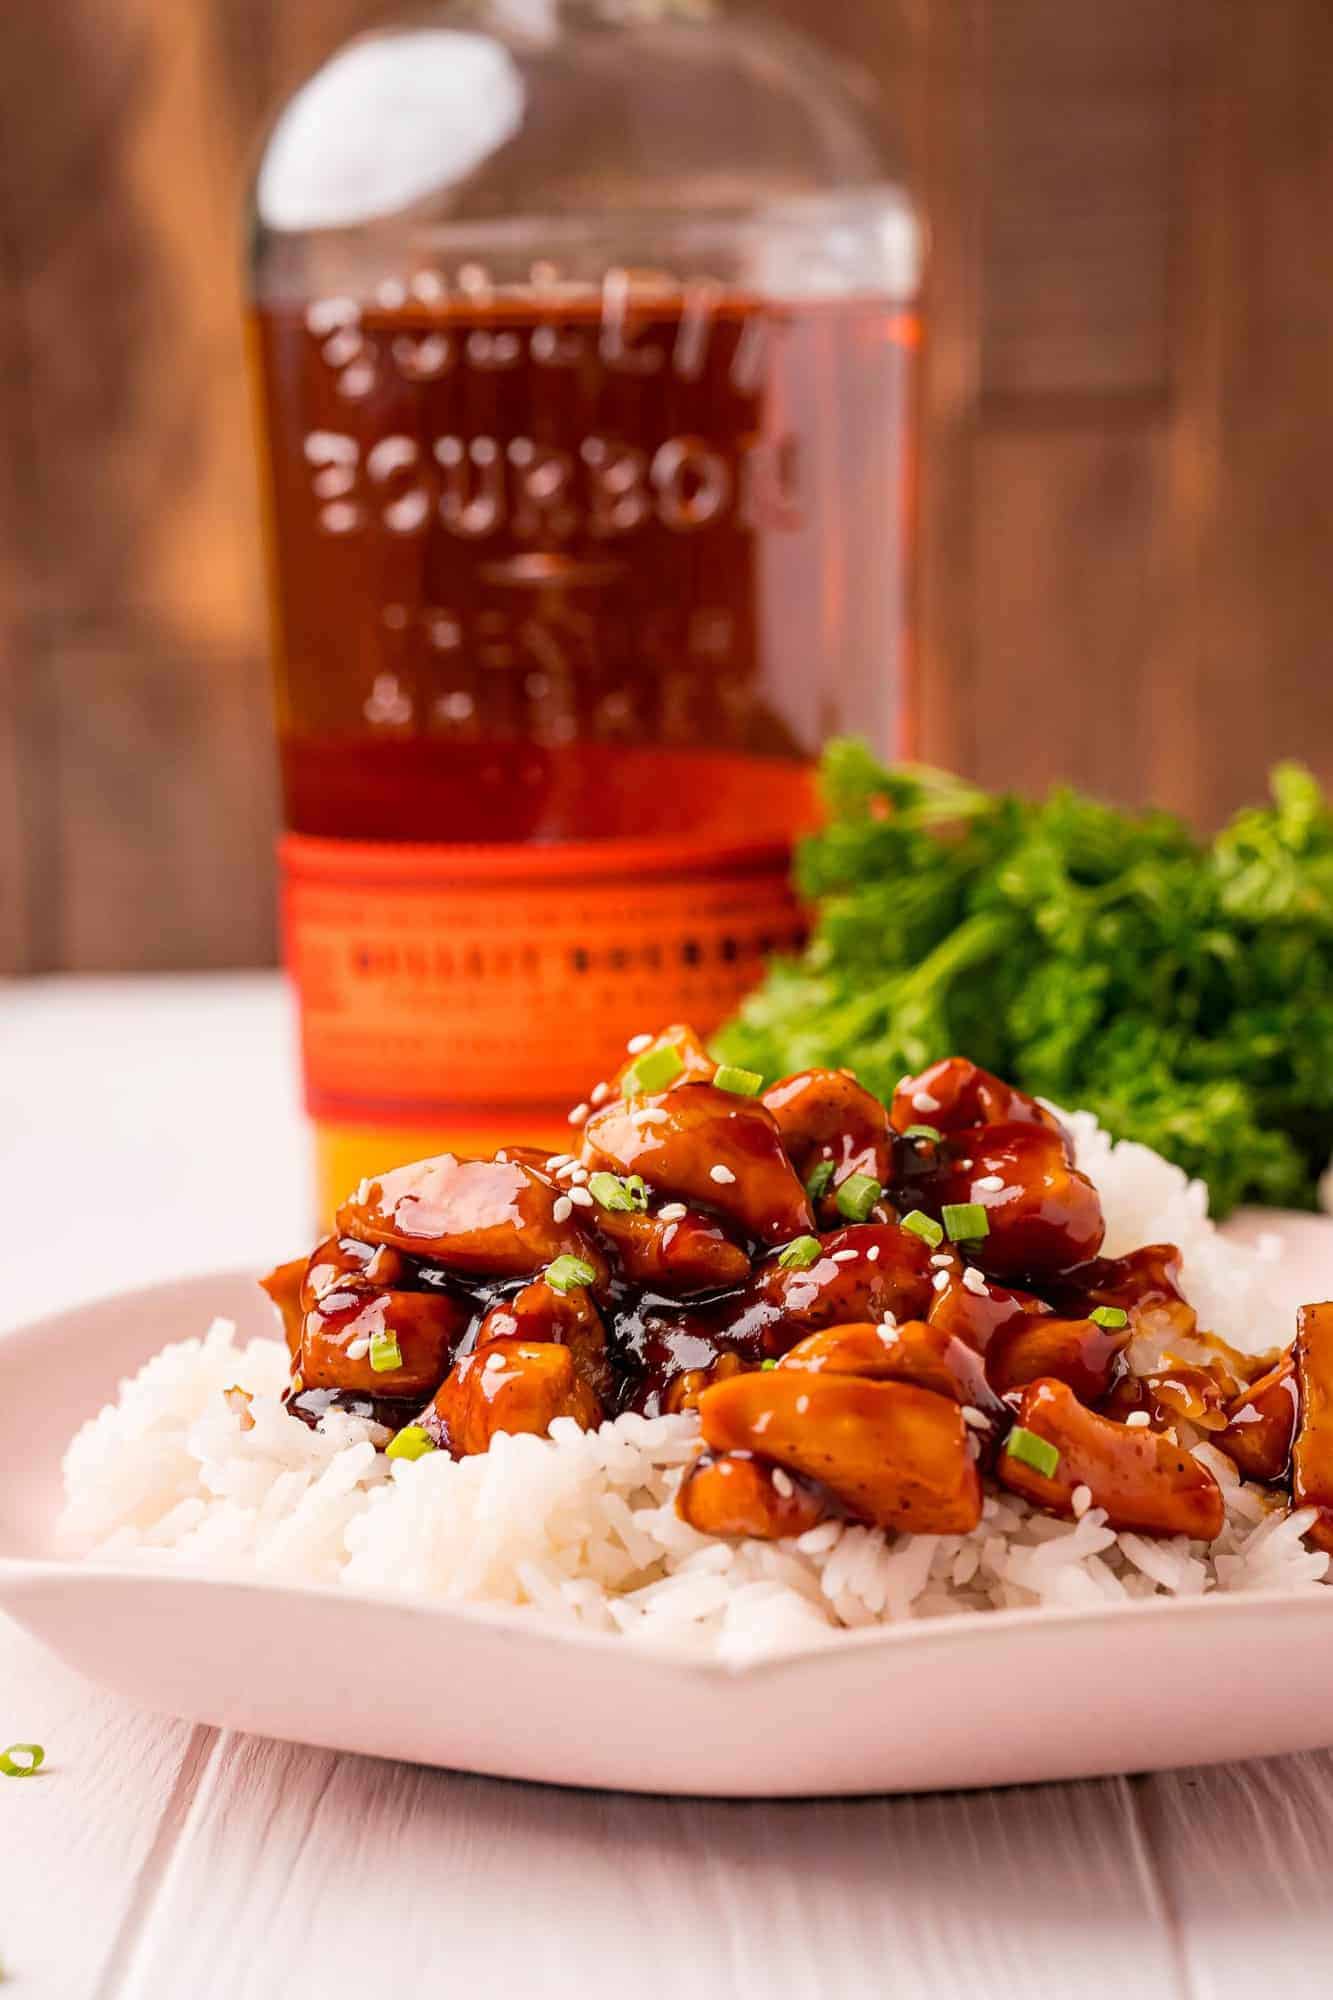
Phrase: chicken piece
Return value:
(540, 1313)
(682, 1254)
(892, 1454)
(1312, 1449)
(700, 1144)
(697, 1066)
(494, 1217)
(868, 1271)
(975, 1311)
(683, 1390)
(824, 1115)
(1144, 1481)
(283, 1286)
(1166, 1395)
(508, 1385)
(1261, 1423)
(347, 1340)
(1078, 1352)
(1043, 1217)
(955, 1095)
(929, 1356)
(739, 1495)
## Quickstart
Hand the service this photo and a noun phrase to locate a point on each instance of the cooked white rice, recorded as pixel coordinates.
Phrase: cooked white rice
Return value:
(581, 1527)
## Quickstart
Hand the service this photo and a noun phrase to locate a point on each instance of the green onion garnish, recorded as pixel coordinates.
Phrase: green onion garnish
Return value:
(22, 1759)
(622, 1196)
(800, 1253)
(741, 1082)
(411, 1442)
(966, 1221)
(1029, 1449)
(924, 1226)
(924, 1132)
(857, 1196)
(818, 1183)
(566, 1272)
(654, 1070)
(385, 1353)
(765, 1365)
(1109, 1316)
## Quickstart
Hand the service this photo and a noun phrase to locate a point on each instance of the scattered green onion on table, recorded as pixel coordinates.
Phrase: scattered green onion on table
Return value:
(1112, 961)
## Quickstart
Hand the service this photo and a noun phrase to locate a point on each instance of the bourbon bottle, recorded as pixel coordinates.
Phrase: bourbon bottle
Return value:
(583, 340)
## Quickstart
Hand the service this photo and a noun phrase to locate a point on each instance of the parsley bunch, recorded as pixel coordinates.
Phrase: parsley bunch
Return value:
(1108, 960)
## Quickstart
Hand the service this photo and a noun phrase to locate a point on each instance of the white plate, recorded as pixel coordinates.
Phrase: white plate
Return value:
(1000, 1698)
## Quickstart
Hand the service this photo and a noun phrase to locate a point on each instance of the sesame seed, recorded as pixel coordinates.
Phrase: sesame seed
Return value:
(669, 1235)
(872, 1254)
(570, 1166)
(651, 1115)
(636, 1044)
(673, 1212)
(1137, 1420)
(577, 1176)
(578, 1114)
(725, 1467)
(975, 1419)
(722, 1175)
(762, 1422)
(782, 1483)
(845, 1256)
(987, 1184)
(802, 1405)
(580, 1197)
(558, 1160)
(941, 1281)
(941, 1260)
(492, 1362)
(563, 1209)
(1080, 1500)
(974, 1282)
(923, 1101)
(599, 1093)
(357, 1350)
(889, 1323)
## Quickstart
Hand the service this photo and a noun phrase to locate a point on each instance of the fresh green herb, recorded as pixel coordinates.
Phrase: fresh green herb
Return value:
(764, 1366)
(931, 1132)
(924, 1226)
(654, 1070)
(411, 1442)
(965, 1221)
(1109, 1316)
(1029, 1449)
(565, 1272)
(741, 1082)
(857, 1196)
(385, 1353)
(622, 1196)
(1182, 990)
(800, 1253)
(818, 1184)
(21, 1760)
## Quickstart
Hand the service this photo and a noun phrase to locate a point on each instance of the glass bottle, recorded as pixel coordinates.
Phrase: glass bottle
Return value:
(583, 340)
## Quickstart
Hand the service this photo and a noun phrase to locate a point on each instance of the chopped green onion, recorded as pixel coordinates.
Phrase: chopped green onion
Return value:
(857, 1196)
(609, 1191)
(1109, 1316)
(566, 1272)
(817, 1185)
(385, 1353)
(654, 1070)
(32, 1758)
(637, 1192)
(411, 1442)
(800, 1253)
(1029, 1449)
(924, 1226)
(764, 1365)
(966, 1221)
(931, 1132)
(741, 1082)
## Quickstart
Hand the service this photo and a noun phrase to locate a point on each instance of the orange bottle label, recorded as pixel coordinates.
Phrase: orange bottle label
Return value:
(437, 984)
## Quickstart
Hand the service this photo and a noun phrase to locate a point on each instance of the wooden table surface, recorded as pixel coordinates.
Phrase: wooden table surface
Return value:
(152, 1860)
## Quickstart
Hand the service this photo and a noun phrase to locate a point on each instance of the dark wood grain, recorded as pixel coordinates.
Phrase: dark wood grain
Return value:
(1127, 419)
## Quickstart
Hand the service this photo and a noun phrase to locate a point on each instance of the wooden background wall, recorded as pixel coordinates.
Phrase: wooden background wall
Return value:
(1127, 543)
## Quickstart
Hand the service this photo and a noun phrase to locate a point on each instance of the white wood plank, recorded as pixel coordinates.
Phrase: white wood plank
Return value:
(81, 1842)
(1245, 1857)
(298, 1871)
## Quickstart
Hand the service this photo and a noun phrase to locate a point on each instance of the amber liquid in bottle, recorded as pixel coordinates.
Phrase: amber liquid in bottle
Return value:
(569, 589)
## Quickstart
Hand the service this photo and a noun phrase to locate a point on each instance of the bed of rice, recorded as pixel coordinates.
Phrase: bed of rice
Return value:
(581, 1528)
